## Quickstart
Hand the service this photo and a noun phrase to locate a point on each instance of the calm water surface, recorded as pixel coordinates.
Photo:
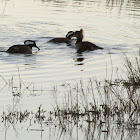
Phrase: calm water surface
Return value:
(111, 24)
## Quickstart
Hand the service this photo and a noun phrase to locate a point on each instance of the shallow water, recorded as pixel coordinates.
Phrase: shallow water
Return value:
(113, 25)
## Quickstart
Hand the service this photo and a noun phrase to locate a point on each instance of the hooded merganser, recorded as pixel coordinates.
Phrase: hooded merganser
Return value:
(66, 39)
(23, 49)
(82, 46)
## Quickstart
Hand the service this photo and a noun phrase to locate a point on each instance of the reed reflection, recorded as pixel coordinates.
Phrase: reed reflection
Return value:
(128, 5)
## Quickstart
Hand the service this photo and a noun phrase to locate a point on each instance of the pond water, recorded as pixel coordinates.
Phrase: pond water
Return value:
(111, 24)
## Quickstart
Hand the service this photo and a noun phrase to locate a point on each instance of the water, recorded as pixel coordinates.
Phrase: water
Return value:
(113, 25)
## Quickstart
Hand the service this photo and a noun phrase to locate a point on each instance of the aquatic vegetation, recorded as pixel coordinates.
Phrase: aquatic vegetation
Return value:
(117, 106)
(99, 109)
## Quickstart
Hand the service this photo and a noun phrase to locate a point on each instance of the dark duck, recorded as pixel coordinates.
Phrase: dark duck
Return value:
(66, 39)
(23, 49)
(82, 46)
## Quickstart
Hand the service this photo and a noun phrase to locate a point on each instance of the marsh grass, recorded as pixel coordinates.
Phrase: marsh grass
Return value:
(18, 87)
(15, 116)
(103, 105)
(108, 109)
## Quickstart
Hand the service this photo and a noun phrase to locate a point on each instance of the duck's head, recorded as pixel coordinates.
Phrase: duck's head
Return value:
(31, 43)
(69, 35)
(78, 35)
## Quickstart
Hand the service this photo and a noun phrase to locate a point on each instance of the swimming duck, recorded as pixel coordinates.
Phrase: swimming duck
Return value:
(66, 39)
(23, 49)
(82, 46)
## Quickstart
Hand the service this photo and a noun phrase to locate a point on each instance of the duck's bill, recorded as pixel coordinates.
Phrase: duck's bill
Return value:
(37, 48)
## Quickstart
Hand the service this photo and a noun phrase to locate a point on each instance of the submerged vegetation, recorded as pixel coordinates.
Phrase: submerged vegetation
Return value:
(101, 110)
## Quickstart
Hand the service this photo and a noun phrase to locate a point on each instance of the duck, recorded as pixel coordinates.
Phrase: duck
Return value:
(82, 46)
(66, 39)
(23, 49)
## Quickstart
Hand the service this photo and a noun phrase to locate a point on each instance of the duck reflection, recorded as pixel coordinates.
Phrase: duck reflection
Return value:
(79, 59)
